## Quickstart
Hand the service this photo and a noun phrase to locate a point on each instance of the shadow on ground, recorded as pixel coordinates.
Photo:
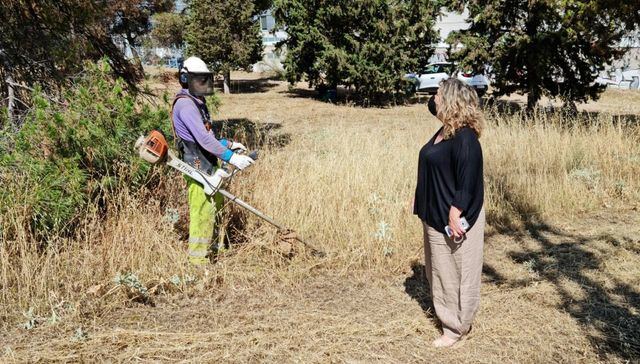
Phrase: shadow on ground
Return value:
(608, 314)
(605, 312)
(347, 96)
(253, 135)
(605, 307)
(340, 96)
(417, 287)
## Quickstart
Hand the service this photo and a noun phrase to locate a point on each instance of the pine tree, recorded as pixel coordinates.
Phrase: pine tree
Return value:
(168, 30)
(47, 42)
(544, 47)
(131, 20)
(224, 33)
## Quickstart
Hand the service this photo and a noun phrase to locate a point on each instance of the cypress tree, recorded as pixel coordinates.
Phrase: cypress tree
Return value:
(224, 33)
(544, 47)
(364, 44)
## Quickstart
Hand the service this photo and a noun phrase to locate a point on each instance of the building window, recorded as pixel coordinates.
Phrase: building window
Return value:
(263, 23)
(267, 22)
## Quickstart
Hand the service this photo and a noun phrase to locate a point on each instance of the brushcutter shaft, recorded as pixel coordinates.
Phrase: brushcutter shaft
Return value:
(266, 218)
(253, 210)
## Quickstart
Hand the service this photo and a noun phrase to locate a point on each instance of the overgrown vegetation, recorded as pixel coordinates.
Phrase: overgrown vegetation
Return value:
(68, 154)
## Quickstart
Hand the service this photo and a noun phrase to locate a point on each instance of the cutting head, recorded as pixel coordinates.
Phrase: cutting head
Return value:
(152, 148)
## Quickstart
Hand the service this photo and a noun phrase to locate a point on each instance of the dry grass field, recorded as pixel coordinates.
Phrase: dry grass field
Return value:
(561, 279)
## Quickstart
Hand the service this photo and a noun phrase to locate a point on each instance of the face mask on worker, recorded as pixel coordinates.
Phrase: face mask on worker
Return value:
(197, 77)
(432, 105)
(200, 84)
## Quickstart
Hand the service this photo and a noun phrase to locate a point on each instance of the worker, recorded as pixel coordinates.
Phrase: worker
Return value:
(198, 146)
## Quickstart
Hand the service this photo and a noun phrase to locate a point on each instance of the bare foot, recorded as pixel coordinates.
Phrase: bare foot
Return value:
(444, 342)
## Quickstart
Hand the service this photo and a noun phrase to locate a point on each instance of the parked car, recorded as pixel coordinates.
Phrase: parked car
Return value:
(629, 79)
(428, 79)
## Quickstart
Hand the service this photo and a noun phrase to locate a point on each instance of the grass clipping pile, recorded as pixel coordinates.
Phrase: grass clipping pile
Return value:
(556, 286)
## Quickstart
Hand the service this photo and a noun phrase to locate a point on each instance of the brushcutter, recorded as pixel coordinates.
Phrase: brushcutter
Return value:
(155, 149)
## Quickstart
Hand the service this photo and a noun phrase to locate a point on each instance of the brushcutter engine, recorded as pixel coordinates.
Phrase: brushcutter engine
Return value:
(152, 148)
(155, 149)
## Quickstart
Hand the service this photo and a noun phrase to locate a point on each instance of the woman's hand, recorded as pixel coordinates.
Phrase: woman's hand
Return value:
(454, 222)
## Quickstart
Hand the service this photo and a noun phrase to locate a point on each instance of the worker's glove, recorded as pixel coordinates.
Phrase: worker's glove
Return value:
(237, 146)
(241, 161)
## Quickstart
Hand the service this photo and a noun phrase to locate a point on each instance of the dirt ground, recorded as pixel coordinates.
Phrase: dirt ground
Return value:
(562, 290)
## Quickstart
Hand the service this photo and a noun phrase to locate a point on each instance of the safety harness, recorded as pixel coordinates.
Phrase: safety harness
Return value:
(191, 152)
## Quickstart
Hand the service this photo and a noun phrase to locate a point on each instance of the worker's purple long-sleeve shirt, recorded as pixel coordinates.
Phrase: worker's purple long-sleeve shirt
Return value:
(189, 126)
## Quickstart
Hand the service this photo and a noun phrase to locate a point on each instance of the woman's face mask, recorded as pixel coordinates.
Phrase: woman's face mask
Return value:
(432, 105)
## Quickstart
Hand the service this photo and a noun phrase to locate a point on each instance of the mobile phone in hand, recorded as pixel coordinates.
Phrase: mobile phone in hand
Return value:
(463, 222)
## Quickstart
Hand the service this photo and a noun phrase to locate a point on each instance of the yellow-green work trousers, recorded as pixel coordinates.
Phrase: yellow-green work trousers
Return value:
(202, 219)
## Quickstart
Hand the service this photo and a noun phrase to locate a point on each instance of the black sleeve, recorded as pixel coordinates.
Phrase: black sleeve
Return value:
(417, 197)
(467, 162)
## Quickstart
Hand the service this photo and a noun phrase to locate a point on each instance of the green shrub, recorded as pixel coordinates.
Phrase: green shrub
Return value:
(70, 154)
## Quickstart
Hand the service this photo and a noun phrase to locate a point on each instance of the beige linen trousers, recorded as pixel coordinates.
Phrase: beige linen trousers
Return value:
(454, 269)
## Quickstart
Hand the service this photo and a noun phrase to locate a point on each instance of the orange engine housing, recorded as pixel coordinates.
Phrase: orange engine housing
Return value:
(154, 147)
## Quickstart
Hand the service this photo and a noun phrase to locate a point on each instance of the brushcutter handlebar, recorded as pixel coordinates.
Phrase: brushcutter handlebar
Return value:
(253, 155)
(231, 169)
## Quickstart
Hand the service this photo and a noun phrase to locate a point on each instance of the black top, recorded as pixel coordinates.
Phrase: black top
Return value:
(450, 173)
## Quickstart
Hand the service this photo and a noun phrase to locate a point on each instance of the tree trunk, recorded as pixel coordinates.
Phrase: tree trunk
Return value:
(227, 82)
(532, 98)
(11, 95)
(134, 53)
(570, 108)
(533, 82)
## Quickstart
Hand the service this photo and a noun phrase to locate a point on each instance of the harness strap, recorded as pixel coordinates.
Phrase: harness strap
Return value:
(203, 114)
(191, 152)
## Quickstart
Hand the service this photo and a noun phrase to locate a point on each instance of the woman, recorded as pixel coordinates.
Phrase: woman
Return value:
(450, 189)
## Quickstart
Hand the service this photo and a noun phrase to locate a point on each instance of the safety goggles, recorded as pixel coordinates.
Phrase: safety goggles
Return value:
(200, 84)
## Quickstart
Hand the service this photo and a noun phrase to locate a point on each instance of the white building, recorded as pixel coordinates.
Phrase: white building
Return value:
(272, 57)
(447, 23)
(450, 21)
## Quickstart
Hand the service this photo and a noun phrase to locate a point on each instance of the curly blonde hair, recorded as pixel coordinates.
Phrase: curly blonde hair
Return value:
(459, 107)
